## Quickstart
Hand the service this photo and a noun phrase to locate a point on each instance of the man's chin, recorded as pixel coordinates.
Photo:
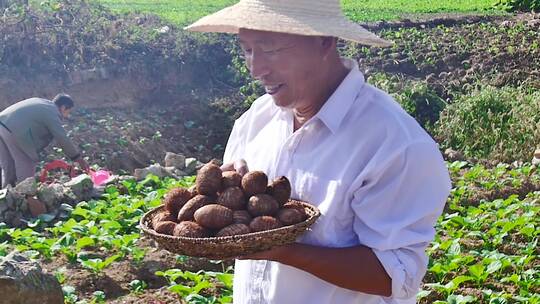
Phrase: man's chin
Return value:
(282, 103)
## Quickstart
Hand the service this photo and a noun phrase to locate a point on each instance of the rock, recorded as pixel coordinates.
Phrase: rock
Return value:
(97, 192)
(13, 219)
(52, 195)
(23, 207)
(36, 206)
(28, 186)
(175, 160)
(23, 281)
(534, 23)
(536, 158)
(9, 199)
(180, 173)
(192, 165)
(82, 186)
(507, 23)
(155, 169)
(3, 200)
(453, 155)
(164, 30)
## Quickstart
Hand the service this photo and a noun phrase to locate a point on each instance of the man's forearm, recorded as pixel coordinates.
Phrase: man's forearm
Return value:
(356, 268)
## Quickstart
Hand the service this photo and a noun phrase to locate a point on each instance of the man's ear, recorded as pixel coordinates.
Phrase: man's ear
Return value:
(328, 44)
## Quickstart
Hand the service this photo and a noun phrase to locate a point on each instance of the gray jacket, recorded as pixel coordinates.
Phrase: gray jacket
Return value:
(34, 123)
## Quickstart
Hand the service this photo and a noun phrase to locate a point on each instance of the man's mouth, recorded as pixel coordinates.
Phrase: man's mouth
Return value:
(272, 89)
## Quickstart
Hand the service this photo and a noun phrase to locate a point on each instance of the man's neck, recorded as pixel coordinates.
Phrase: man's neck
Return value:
(336, 74)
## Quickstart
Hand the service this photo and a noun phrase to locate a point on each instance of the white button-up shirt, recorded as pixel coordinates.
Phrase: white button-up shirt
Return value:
(377, 177)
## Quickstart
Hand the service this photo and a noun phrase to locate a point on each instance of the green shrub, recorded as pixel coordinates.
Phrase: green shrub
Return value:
(499, 124)
(416, 98)
(519, 5)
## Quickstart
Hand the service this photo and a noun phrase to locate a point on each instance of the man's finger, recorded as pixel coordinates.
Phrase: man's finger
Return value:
(227, 167)
(241, 167)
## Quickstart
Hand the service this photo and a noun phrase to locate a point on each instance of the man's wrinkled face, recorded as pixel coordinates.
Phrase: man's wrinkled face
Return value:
(285, 64)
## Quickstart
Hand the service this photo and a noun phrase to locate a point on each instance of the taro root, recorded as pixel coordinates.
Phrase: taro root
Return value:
(280, 189)
(254, 182)
(234, 229)
(186, 213)
(232, 198)
(193, 190)
(175, 199)
(263, 223)
(163, 216)
(166, 227)
(242, 217)
(214, 216)
(289, 216)
(297, 206)
(262, 204)
(208, 180)
(231, 179)
(190, 229)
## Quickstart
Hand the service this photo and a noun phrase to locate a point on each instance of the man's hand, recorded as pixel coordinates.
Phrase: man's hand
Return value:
(83, 164)
(239, 166)
(273, 254)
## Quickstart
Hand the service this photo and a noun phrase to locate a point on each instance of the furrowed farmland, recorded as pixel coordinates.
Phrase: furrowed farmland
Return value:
(154, 103)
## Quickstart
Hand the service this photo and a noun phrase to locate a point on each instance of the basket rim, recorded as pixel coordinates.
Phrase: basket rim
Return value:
(146, 218)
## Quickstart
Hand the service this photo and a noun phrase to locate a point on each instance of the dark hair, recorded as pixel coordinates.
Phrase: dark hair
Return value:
(63, 100)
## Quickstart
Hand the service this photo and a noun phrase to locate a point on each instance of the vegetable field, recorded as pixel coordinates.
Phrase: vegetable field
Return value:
(468, 71)
(183, 12)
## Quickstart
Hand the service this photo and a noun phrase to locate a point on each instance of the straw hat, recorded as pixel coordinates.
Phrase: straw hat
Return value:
(301, 17)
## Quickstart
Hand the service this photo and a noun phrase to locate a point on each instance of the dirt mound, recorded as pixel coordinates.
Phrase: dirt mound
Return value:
(122, 139)
(101, 58)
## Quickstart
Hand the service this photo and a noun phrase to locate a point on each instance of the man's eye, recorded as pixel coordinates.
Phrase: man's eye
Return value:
(270, 52)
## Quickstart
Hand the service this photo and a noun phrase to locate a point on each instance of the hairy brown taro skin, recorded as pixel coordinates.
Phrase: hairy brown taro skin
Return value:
(231, 179)
(186, 213)
(242, 217)
(190, 229)
(166, 227)
(254, 182)
(289, 216)
(214, 216)
(193, 190)
(262, 223)
(233, 229)
(262, 204)
(163, 216)
(232, 198)
(297, 206)
(208, 179)
(175, 199)
(280, 189)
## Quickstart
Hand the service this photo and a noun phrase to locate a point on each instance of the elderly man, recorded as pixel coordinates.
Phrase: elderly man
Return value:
(26, 128)
(377, 177)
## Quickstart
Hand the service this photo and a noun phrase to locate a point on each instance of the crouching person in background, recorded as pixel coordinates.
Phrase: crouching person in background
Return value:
(26, 128)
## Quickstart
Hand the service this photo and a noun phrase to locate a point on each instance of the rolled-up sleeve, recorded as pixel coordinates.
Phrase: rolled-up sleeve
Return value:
(396, 206)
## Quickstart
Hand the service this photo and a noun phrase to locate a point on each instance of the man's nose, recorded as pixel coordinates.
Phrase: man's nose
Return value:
(258, 65)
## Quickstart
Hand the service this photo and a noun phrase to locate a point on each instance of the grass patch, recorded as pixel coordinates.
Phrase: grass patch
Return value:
(492, 123)
(183, 12)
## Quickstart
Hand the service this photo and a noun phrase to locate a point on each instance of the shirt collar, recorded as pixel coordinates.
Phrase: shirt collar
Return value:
(336, 107)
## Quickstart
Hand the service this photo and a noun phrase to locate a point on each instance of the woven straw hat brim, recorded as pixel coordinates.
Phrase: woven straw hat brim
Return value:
(246, 15)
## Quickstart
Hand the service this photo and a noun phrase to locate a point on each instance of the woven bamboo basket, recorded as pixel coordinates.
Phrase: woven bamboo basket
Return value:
(220, 248)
